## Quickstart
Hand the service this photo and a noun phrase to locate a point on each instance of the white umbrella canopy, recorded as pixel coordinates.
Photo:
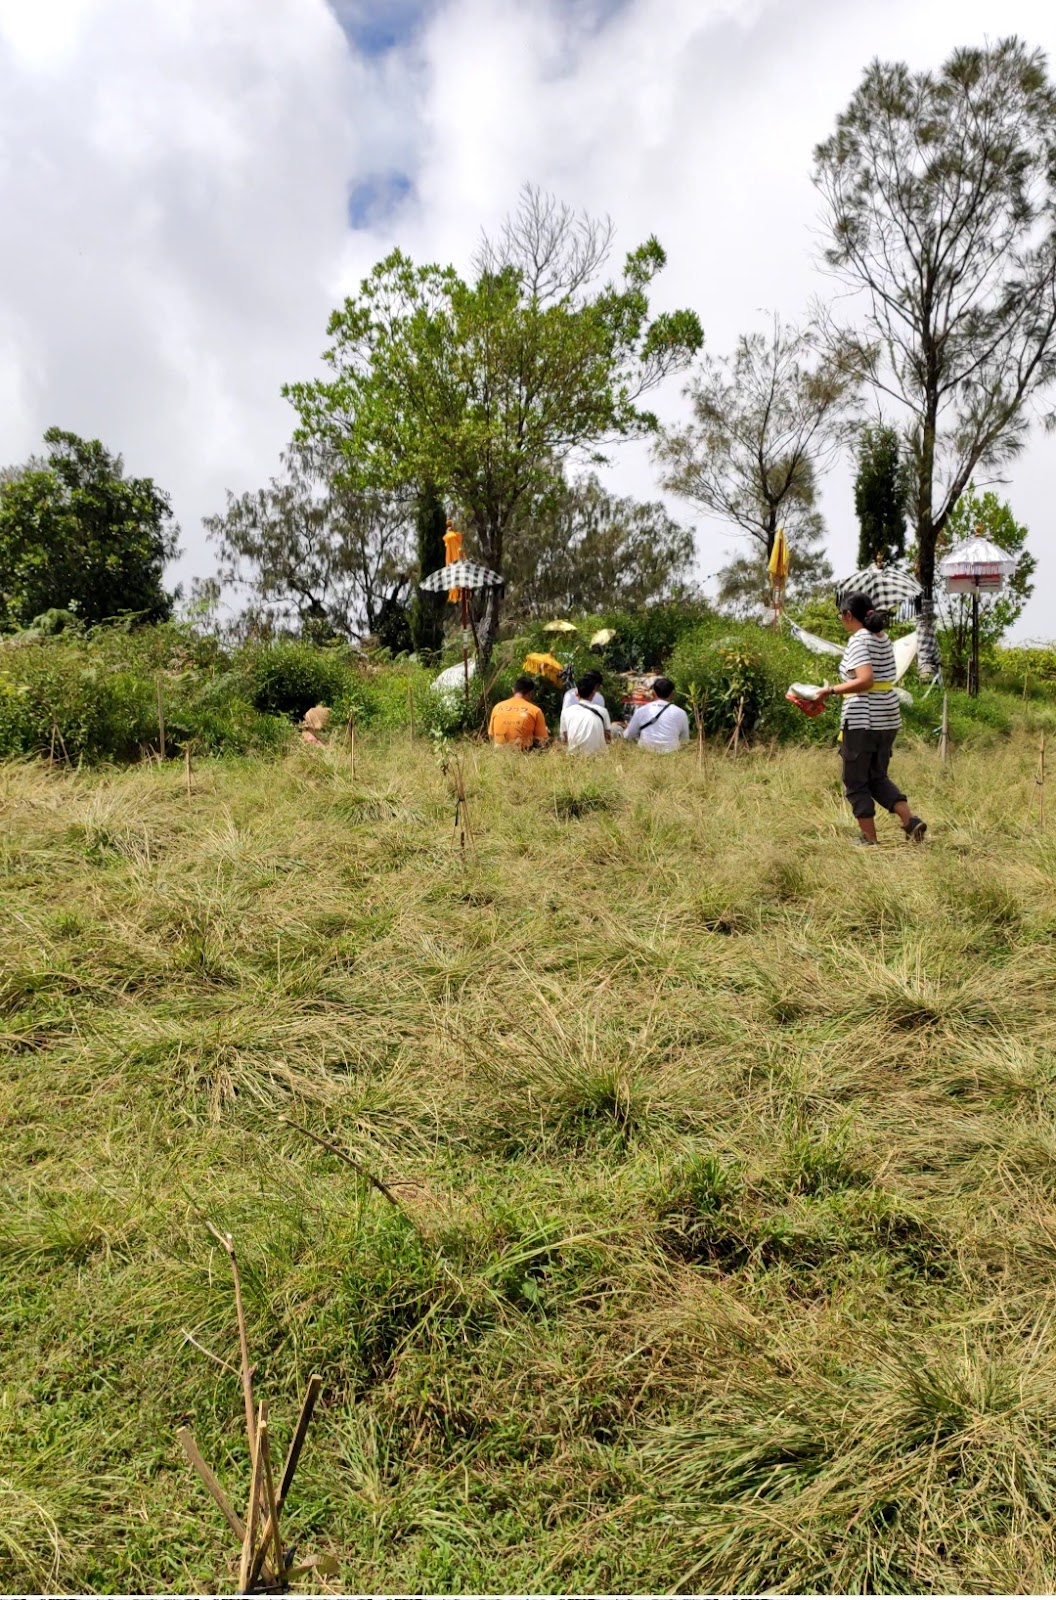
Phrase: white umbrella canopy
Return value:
(976, 563)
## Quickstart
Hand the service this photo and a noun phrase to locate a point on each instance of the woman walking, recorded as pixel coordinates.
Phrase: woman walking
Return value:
(871, 719)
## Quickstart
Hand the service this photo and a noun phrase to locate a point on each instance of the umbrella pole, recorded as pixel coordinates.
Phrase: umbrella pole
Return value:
(973, 675)
(465, 641)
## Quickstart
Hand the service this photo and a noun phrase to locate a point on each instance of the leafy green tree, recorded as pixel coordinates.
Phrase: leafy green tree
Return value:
(881, 494)
(766, 421)
(585, 550)
(482, 387)
(994, 519)
(940, 192)
(77, 535)
(336, 557)
(745, 586)
(427, 610)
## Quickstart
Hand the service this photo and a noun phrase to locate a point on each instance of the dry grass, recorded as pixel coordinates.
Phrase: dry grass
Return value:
(727, 1253)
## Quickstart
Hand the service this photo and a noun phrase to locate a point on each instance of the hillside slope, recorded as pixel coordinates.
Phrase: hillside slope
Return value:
(726, 1250)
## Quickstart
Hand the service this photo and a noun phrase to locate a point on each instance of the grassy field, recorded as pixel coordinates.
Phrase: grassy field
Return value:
(727, 1256)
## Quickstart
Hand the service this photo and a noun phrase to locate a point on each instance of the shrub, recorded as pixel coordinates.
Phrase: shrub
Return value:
(288, 677)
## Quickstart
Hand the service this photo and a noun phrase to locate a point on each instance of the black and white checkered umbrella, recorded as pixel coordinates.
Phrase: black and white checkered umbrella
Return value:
(460, 575)
(887, 587)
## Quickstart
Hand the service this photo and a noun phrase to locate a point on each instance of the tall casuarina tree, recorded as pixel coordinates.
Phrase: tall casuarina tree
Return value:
(940, 194)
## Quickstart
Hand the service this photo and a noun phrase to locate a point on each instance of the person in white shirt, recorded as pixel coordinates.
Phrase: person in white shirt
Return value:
(596, 698)
(660, 725)
(585, 727)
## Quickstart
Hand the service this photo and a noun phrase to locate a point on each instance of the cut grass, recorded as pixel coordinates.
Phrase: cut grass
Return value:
(725, 1249)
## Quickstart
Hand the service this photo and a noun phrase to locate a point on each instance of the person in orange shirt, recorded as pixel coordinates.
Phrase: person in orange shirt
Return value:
(517, 720)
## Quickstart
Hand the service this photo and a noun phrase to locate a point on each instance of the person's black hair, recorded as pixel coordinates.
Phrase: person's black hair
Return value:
(524, 686)
(860, 607)
(587, 685)
(663, 688)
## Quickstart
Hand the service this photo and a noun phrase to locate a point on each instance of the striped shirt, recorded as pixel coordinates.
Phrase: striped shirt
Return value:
(876, 709)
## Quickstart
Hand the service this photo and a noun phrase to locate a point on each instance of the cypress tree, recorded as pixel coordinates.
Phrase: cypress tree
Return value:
(427, 610)
(880, 494)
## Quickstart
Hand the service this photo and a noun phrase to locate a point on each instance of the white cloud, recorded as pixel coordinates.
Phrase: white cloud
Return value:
(178, 179)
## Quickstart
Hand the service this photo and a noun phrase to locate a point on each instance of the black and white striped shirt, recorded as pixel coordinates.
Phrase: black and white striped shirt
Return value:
(876, 709)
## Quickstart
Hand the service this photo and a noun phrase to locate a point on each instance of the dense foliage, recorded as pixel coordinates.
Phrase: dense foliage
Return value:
(77, 535)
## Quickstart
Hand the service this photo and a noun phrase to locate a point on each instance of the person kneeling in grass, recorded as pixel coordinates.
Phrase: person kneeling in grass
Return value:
(870, 721)
(517, 720)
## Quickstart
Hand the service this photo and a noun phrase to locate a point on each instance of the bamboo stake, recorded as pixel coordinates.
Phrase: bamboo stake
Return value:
(944, 738)
(161, 722)
(410, 706)
(735, 741)
(208, 1477)
(187, 758)
(1041, 783)
(293, 1455)
(243, 1343)
(271, 1526)
(253, 1508)
(352, 743)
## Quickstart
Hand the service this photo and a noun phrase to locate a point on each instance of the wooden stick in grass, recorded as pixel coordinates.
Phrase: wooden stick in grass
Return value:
(342, 1155)
(271, 1526)
(243, 1343)
(212, 1483)
(1041, 783)
(161, 722)
(410, 707)
(253, 1508)
(352, 744)
(293, 1455)
(944, 737)
(187, 758)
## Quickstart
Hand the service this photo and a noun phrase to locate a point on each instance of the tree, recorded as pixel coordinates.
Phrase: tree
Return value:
(994, 519)
(940, 191)
(582, 549)
(745, 585)
(427, 610)
(77, 535)
(337, 556)
(766, 422)
(483, 387)
(881, 493)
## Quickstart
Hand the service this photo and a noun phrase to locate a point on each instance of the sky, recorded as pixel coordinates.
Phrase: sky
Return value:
(188, 189)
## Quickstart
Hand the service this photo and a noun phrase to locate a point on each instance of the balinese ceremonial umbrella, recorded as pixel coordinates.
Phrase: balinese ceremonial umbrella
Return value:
(976, 566)
(459, 577)
(887, 587)
(777, 567)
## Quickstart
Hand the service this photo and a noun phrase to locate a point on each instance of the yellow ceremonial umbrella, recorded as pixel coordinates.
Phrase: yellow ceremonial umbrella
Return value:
(777, 567)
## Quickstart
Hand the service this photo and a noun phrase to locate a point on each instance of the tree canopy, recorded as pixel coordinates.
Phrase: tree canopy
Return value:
(940, 194)
(337, 557)
(766, 421)
(77, 535)
(481, 387)
(881, 493)
(583, 549)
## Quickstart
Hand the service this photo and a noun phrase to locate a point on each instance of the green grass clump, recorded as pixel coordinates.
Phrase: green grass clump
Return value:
(720, 1253)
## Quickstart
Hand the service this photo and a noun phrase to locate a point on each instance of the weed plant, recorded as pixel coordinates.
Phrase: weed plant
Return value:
(725, 1251)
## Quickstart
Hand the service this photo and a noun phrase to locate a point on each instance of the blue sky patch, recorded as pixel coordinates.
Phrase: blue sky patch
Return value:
(377, 26)
(373, 198)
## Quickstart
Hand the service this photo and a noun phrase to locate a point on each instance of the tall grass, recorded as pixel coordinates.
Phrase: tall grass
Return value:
(724, 1253)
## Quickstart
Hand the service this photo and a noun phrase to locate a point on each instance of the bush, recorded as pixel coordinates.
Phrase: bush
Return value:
(288, 677)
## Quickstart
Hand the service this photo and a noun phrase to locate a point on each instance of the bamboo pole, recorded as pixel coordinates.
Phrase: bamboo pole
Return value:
(243, 1343)
(944, 737)
(352, 744)
(187, 759)
(1041, 783)
(410, 706)
(256, 1458)
(161, 721)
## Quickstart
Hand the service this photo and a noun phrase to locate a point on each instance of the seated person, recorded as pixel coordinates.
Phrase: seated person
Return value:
(518, 720)
(595, 697)
(585, 726)
(660, 725)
